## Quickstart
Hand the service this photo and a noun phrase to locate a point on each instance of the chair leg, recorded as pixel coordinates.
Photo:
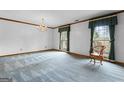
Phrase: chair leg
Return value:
(94, 61)
(91, 60)
(101, 62)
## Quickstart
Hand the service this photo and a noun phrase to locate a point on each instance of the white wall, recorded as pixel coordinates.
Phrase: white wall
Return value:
(56, 37)
(119, 38)
(18, 38)
(80, 38)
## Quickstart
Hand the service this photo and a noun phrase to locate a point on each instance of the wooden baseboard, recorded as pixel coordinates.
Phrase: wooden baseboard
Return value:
(72, 53)
(87, 56)
(116, 62)
(26, 52)
(79, 55)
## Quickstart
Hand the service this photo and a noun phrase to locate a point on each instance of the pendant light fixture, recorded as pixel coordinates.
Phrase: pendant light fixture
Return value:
(42, 26)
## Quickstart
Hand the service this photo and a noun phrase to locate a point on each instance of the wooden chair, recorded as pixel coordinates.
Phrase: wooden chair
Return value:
(97, 54)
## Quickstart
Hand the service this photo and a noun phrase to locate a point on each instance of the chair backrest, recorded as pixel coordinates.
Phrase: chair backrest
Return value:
(99, 50)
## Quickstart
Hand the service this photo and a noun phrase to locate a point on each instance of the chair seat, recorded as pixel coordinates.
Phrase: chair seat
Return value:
(96, 56)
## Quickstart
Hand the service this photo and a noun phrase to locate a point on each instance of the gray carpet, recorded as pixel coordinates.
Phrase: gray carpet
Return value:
(56, 66)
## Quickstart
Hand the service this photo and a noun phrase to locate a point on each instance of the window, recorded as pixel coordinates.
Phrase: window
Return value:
(63, 41)
(102, 37)
(64, 38)
(102, 28)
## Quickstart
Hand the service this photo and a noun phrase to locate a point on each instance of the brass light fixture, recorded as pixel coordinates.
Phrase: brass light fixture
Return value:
(42, 26)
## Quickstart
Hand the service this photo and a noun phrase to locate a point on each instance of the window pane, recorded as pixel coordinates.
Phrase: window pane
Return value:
(64, 40)
(64, 44)
(64, 35)
(101, 33)
(102, 37)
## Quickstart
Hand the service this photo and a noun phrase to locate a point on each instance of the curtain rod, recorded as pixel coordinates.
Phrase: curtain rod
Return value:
(92, 19)
(22, 22)
(102, 18)
(65, 26)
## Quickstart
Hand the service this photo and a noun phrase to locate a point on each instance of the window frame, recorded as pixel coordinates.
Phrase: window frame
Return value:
(103, 40)
(68, 40)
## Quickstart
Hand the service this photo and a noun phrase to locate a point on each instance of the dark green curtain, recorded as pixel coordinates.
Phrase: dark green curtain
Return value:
(107, 21)
(91, 40)
(112, 48)
(68, 37)
(61, 29)
(111, 22)
(60, 40)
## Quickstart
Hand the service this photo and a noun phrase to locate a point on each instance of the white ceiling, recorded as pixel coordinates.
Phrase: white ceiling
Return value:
(52, 17)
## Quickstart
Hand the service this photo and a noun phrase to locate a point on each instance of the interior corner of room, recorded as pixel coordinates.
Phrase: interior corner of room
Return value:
(74, 32)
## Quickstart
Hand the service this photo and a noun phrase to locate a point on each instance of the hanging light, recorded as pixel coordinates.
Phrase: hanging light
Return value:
(42, 26)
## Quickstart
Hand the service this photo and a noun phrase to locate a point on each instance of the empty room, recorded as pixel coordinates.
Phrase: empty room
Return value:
(61, 45)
